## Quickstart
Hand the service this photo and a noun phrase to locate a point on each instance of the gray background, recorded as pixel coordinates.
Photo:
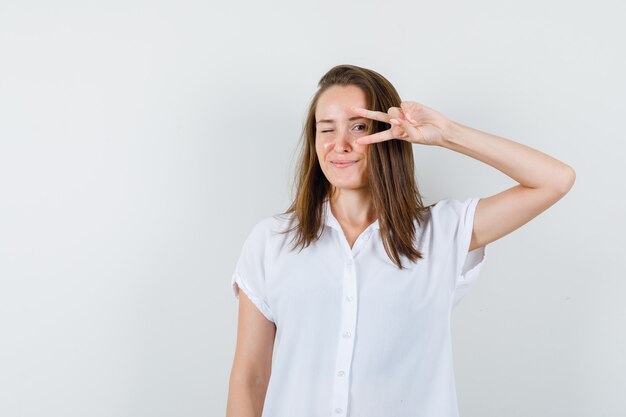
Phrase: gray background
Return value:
(140, 141)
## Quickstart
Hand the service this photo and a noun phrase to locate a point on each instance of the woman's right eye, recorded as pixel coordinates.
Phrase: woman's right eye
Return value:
(324, 131)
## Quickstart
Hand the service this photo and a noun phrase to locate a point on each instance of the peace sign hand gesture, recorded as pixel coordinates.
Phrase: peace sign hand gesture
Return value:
(411, 121)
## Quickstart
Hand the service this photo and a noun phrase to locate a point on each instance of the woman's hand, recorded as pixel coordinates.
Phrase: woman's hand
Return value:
(411, 121)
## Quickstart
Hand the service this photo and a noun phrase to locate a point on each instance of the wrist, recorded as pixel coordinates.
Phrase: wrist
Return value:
(451, 133)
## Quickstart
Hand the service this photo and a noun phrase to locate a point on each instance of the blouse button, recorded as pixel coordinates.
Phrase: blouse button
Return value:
(341, 373)
(348, 298)
(338, 410)
(346, 334)
(349, 261)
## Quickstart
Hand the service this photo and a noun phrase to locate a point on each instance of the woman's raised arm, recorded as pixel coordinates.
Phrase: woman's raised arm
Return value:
(543, 180)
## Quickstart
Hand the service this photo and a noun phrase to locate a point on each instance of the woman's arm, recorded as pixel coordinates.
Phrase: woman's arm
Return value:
(543, 180)
(252, 365)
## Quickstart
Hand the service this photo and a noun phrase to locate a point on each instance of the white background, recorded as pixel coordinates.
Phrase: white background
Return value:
(141, 141)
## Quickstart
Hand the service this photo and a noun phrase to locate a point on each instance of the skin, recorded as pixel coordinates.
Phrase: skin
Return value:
(252, 364)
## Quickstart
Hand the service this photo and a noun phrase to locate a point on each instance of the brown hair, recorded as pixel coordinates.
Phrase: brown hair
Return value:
(390, 165)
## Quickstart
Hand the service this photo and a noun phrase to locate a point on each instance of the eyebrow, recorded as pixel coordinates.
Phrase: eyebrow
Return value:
(332, 120)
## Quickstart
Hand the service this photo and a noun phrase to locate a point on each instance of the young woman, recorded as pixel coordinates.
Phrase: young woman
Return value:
(348, 294)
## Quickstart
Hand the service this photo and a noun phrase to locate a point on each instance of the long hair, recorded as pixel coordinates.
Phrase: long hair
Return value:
(390, 165)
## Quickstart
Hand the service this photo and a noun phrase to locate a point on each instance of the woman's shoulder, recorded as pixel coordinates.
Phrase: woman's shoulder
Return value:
(452, 213)
(452, 206)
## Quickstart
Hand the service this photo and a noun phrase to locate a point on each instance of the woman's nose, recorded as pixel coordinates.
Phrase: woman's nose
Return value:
(344, 140)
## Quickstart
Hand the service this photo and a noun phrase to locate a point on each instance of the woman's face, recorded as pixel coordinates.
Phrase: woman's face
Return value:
(343, 161)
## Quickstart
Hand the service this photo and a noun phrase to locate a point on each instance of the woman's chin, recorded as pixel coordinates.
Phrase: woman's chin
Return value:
(349, 185)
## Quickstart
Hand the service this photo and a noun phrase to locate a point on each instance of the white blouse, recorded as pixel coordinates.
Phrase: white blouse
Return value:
(356, 336)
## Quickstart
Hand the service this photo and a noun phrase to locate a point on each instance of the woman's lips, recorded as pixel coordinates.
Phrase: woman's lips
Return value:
(344, 164)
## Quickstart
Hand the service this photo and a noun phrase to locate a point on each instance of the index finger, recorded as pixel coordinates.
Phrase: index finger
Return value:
(371, 114)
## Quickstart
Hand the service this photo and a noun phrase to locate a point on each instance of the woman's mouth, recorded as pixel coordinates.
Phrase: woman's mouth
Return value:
(343, 164)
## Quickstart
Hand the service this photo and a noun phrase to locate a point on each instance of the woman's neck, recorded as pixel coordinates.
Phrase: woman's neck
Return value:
(353, 208)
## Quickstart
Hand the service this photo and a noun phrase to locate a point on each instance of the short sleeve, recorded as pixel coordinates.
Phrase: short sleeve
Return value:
(459, 216)
(469, 264)
(249, 273)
